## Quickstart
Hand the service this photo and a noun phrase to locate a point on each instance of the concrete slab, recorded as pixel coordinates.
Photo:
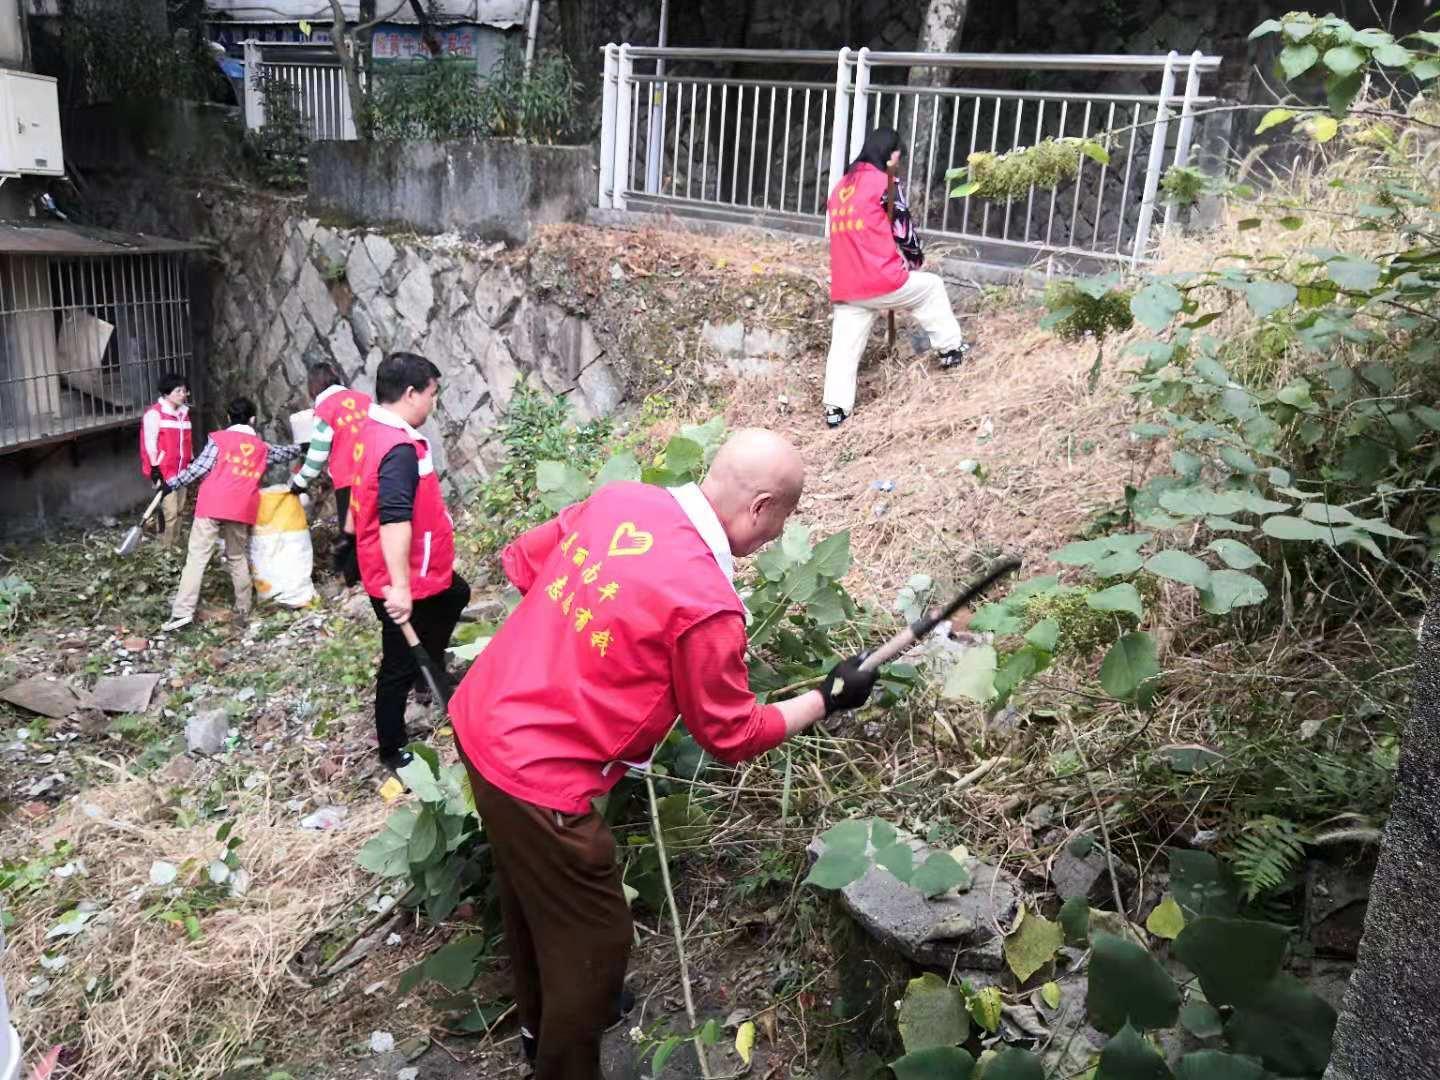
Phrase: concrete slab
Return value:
(43, 694)
(122, 693)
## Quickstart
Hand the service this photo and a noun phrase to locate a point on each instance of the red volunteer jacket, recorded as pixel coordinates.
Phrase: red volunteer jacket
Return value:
(864, 262)
(582, 677)
(231, 490)
(432, 540)
(172, 441)
(346, 411)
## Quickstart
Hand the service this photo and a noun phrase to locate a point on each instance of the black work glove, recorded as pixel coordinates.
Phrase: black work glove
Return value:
(846, 686)
(296, 489)
(155, 478)
(346, 564)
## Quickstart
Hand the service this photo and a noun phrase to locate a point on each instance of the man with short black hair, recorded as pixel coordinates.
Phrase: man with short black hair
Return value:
(165, 448)
(340, 413)
(230, 469)
(404, 540)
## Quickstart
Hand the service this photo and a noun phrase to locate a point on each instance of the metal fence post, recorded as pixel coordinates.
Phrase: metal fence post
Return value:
(254, 103)
(1156, 160)
(859, 110)
(608, 127)
(624, 91)
(1187, 125)
(840, 125)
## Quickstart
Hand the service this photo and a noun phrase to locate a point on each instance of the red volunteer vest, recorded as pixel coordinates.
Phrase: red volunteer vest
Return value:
(173, 442)
(864, 262)
(231, 490)
(562, 694)
(346, 411)
(432, 540)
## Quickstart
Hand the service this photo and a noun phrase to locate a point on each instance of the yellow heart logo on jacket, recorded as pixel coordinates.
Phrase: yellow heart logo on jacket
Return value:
(629, 540)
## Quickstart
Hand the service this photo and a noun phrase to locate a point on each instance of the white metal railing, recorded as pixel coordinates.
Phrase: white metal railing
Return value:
(312, 74)
(773, 148)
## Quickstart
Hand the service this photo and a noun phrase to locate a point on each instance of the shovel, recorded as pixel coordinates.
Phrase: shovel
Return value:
(426, 663)
(917, 630)
(132, 538)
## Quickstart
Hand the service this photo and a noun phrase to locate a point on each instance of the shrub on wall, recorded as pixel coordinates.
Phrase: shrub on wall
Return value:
(441, 100)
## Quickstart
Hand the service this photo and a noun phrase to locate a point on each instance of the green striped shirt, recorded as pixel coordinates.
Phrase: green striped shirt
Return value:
(320, 439)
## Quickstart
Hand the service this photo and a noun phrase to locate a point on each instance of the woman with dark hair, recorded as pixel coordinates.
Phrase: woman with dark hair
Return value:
(875, 268)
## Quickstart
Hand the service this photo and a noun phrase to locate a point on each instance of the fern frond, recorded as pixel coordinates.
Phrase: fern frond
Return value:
(1266, 854)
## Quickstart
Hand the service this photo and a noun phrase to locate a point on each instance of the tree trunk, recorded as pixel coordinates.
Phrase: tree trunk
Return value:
(1388, 1028)
(940, 31)
(577, 21)
(344, 46)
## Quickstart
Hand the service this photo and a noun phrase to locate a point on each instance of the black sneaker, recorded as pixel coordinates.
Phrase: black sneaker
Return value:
(620, 1007)
(395, 760)
(953, 358)
(834, 416)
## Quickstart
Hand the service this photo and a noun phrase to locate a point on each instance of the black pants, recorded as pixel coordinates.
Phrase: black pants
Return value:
(345, 563)
(434, 620)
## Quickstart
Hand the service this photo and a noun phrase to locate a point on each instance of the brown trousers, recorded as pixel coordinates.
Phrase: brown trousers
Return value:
(567, 926)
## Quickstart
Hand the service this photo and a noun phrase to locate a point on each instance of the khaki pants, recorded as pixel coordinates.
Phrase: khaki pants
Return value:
(203, 534)
(567, 926)
(172, 506)
(923, 295)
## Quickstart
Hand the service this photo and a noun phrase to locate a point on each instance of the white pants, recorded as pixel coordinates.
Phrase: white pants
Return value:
(922, 294)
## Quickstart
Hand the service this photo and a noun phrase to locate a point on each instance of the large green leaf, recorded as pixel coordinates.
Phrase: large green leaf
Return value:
(1267, 297)
(385, 854)
(848, 836)
(1203, 884)
(1295, 60)
(937, 1063)
(1201, 500)
(623, 466)
(1081, 552)
(972, 676)
(939, 873)
(1128, 985)
(425, 840)
(1234, 554)
(1157, 304)
(831, 558)
(1214, 1065)
(1344, 59)
(1234, 958)
(419, 778)
(453, 966)
(1033, 945)
(1200, 1019)
(560, 484)
(1179, 566)
(1129, 1057)
(1166, 920)
(1116, 564)
(1075, 920)
(1283, 527)
(836, 869)
(1230, 589)
(684, 458)
(932, 1013)
(986, 1005)
(1352, 273)
(898, 859)
(1122, 597)
(1012, 1063)
(1289, 1027)
(1128, 664)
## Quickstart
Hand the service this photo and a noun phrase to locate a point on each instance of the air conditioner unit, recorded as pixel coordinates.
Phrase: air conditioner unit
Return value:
(29, 125)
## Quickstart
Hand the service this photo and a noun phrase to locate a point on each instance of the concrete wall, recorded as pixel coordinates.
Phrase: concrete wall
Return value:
(486, 189)
(13, 51)
(68, 484)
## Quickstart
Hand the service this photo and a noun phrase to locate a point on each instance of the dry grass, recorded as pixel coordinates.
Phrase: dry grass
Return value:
(1049, 451)
(161, 1005)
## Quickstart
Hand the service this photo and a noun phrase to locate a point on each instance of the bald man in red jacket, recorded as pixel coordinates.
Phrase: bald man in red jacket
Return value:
(629, 619)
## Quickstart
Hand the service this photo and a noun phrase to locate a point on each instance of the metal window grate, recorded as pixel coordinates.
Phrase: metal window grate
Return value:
(85, 339)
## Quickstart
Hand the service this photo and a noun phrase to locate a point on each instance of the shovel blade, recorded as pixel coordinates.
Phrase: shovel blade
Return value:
(131, 541)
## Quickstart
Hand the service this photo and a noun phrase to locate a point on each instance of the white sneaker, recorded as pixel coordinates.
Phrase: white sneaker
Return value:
(177, 623)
